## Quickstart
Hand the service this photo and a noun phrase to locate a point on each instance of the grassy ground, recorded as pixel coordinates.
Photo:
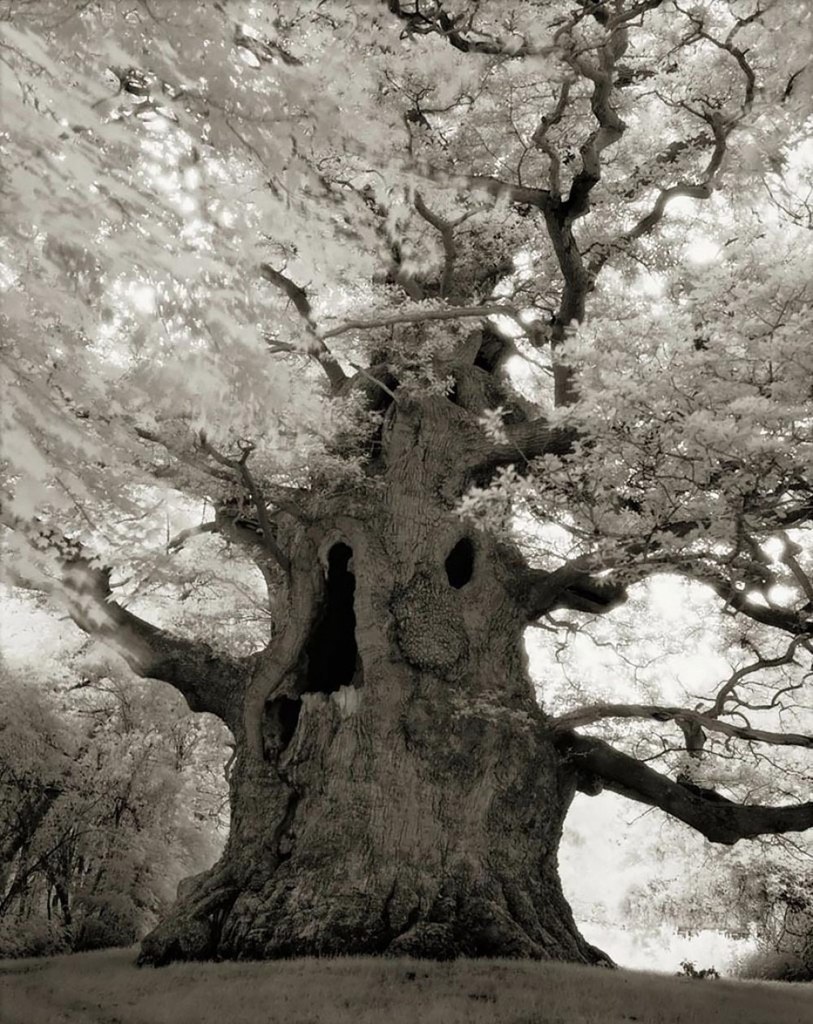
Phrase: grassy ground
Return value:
(106, 988)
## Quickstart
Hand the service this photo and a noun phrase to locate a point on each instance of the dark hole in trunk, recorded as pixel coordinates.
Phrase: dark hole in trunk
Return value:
(288, 709)
(491, 351)
(281, 720)
(460, 563)
(380, 401)
(332, 651)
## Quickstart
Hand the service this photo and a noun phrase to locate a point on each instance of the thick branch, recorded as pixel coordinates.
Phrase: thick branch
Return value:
(797, 622)
(720, 821)
(573, 301)
(570, 586)
(241, 468)
(609, 126)
(421, 316)
(177, 542)
(597, 712)
(560, 215)
(208, 681)
(522, 195)
(522, 442)
(317, 349)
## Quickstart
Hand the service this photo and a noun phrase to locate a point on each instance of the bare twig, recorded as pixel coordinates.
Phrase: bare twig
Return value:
(728, 690)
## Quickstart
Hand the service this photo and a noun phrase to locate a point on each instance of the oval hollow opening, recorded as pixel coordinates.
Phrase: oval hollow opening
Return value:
(281, 720)
(460, 563)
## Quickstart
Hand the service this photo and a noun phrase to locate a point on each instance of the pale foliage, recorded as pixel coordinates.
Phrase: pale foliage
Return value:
(157, 154)
(111, 794)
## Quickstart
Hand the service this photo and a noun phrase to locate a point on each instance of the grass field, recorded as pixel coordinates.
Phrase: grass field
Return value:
(107, 988)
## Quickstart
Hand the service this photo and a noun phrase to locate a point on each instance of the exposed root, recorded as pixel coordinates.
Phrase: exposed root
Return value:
(192, 929)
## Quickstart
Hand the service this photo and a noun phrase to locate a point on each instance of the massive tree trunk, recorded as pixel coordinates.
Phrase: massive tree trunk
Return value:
(394, 788)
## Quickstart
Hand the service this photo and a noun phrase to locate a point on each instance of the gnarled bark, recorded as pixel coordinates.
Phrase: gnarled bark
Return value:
(395, 789)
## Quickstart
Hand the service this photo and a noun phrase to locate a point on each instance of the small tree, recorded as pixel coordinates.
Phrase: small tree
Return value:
(454, 321)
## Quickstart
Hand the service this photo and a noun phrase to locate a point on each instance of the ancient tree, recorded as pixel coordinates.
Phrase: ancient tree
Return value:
(408, 294)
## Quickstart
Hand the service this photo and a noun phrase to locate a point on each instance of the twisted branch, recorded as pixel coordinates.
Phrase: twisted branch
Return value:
(719, 820)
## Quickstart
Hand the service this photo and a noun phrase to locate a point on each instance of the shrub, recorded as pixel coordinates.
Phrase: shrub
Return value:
(690, 971)
(33, 936)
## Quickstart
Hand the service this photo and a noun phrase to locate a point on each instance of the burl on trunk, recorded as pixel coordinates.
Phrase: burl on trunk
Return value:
(394, 789)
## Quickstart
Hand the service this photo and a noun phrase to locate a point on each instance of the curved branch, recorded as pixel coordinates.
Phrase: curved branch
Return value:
(468, 40)
(299, 300)
(446, 231)
(241, 468)
(729, 688)
(721, 129)
(540, 140)
(797, 622)
(208, 681)
(701, 190)
(719, 820)
(597, 712)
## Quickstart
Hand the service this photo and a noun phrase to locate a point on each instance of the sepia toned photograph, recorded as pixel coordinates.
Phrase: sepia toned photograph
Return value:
(406, 511)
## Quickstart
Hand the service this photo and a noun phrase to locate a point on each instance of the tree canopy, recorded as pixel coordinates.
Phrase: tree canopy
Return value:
(241, 239)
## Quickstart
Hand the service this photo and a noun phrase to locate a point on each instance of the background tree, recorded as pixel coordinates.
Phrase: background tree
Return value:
(105, 808)
(410, 300)
(759, 891)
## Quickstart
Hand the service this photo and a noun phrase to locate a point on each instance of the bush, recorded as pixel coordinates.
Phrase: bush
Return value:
(33, 936)
(103, 933)
(768, 964)
(688, 970)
